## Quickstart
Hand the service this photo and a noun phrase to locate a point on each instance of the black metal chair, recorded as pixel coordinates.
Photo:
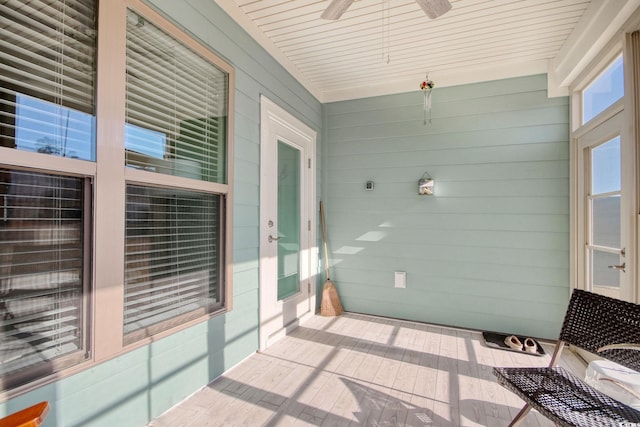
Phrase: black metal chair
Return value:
(605, 326)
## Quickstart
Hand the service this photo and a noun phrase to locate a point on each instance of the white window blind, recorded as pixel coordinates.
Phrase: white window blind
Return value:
(41, 274)
(176, 106)
(172, 258)
(47, 73)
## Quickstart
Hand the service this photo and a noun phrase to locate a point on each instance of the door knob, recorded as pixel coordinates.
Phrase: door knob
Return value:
(271, 238)
(619, 267)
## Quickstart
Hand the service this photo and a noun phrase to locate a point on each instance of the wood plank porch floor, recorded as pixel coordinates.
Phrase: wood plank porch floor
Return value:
(357, 370)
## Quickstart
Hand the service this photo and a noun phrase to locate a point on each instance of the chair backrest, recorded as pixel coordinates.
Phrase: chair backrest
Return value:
(593, 321)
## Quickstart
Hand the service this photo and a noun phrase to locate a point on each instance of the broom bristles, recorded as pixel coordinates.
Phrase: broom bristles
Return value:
(330, 301)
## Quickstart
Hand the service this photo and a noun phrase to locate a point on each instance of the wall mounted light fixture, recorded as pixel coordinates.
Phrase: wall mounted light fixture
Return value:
(426, 185)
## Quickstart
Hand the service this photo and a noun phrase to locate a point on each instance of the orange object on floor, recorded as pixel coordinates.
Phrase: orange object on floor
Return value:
(32, 416)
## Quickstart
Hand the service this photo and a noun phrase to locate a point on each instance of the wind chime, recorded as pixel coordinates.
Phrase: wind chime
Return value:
(426, 87)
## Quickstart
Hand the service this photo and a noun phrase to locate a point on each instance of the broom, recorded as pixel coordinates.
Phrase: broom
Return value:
(330, 305)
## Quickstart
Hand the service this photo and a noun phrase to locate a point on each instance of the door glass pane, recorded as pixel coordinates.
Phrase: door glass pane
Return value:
(601, 274)
(606, 167)
(605, 90)
(606, 221)
(605, 214)
(288, 220)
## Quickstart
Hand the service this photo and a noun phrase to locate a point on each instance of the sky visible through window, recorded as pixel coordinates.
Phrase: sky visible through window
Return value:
(605, 167)
(144, 141)
(44, 127)
(603, 91)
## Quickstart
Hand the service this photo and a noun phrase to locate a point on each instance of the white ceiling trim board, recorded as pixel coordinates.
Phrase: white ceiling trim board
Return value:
(601, 22)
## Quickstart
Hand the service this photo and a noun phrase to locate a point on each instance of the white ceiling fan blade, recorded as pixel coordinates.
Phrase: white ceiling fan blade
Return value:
(336, 9)
(434, 8)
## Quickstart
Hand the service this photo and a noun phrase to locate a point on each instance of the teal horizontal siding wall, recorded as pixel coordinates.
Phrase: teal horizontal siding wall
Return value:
(490, 250)
(139, 385)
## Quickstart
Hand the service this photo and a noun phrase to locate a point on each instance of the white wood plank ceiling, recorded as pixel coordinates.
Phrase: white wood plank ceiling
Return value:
(387, 46)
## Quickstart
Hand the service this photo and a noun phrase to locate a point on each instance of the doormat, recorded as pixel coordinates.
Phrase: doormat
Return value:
(496, 340)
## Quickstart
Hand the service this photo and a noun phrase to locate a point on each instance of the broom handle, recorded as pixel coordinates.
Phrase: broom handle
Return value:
(324, 239)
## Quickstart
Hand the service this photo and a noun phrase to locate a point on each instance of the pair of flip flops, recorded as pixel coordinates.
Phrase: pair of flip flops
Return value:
(529, 345)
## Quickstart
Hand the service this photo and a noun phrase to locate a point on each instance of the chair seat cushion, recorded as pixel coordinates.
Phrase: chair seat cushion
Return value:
(566, 399)
(614, 380)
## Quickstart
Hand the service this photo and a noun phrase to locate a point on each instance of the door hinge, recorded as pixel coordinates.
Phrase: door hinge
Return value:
(308, 287)
(309, 225)
(309, 163)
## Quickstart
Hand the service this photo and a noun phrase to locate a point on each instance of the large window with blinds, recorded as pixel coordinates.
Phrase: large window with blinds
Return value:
(47, 108)
(115, 198)
(176, 121)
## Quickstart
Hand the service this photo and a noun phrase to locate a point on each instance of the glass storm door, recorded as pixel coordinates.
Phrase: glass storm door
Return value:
(287, 223)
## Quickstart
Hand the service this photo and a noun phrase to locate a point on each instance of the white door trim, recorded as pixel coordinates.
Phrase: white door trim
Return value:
(277, 124)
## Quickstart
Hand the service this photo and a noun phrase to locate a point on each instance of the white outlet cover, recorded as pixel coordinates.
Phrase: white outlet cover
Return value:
(400, 279)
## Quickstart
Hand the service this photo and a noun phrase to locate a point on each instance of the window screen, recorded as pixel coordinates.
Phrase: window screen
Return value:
(41, 273)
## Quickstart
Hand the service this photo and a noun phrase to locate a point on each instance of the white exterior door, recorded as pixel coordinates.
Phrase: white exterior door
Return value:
(288, 253)
(606, 219)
